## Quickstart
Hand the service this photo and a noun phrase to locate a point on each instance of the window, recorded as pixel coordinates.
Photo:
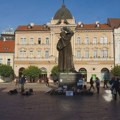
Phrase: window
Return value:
(78, 40)
(78, 55)
(104, 53)
(39, 40)
(103, 40)
(22, 53)
(1, 61)
(8, 61)
(46, 54)
(31, 40)
(95, 40)
(23, 41)
(31, 55)
(86, 40)
(47, 41)
(86, 54)
(39, 53)
(95, 53)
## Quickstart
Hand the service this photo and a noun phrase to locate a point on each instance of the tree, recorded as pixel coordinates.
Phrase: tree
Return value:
(6, 71)
(55, 73)
(32, 72)
(116, 71)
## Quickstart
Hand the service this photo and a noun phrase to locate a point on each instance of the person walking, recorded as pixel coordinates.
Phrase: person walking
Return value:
(17, 85)
(97, 84)
(22, 82)
(91, 84)
(116, 88)
(105, 83)
(47, 81)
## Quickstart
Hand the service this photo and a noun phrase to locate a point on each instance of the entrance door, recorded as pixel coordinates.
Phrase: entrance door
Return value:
(83, 72)
(105, 75)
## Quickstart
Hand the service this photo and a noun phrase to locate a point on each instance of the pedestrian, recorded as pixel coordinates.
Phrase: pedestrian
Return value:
(116, 88)
(97, 84)
(91, 84)
(105, 83)
(47, 81)
(22, 82)
(17, 83)
(111, 82)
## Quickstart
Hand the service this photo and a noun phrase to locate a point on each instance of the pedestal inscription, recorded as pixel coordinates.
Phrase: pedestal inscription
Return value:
(68, 78)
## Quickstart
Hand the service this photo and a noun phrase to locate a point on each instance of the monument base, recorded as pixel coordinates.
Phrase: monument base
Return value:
(68, 79)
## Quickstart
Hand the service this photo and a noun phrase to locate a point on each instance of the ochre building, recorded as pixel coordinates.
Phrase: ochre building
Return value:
(92, 46)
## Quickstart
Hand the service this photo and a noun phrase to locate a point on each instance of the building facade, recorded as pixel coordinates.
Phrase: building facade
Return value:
(92, 46)
(117, 45)
(115, 25)
(7, 52)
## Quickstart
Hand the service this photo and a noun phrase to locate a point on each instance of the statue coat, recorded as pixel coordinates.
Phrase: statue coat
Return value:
(65, 57)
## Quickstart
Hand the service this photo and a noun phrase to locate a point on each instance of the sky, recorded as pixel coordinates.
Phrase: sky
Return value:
(22, 12)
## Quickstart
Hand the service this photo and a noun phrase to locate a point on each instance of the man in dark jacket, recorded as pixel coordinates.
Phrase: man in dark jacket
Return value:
(116, 87)
(22, 82)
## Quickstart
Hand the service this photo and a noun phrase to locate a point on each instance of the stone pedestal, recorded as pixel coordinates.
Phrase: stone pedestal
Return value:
(68, 79)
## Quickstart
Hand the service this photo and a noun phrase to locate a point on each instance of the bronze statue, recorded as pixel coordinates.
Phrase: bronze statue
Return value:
(65, 58)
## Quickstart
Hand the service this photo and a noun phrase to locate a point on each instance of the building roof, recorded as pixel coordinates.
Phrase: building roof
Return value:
(32, 27)
(114, 22)
(63, 13)
(7, 46)
(93, 27)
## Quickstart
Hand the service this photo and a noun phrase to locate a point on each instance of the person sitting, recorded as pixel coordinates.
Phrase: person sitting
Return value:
(80, 84)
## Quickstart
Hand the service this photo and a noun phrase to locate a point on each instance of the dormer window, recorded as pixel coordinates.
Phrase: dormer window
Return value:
(97, 24)
(80, 24)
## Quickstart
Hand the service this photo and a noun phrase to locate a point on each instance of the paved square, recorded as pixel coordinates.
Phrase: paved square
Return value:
(42, 106)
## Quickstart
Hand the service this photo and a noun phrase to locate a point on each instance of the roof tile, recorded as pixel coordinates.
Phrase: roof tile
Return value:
(94, 27)
(7, 46)
(33, 28)
(114, 22)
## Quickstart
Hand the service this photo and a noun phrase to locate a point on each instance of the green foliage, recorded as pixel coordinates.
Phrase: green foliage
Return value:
(32, 72)
(116, 71)
(55, 71)
(6, 70)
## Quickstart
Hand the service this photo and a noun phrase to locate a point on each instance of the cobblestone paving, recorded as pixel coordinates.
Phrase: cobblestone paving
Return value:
(42, 106)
